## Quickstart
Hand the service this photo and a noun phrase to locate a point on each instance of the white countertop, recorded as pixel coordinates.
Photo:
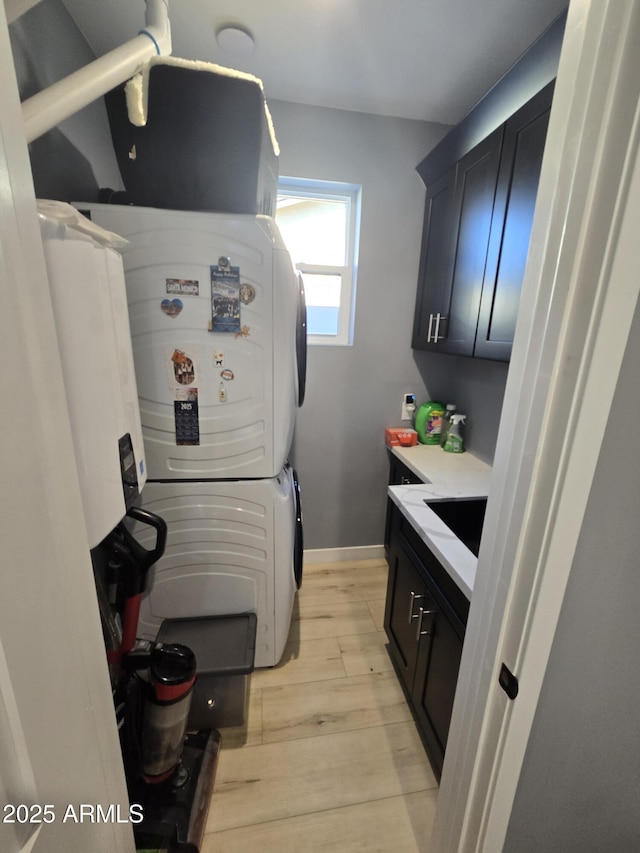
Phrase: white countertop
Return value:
(450, 475)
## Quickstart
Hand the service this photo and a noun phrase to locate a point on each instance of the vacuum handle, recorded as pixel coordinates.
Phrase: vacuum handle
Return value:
(148, 558)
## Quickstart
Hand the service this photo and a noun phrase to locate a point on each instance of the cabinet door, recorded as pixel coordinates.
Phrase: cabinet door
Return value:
(399, 475)
(476, 179)
(405, 593)
(436, 261)
(522, 151)
(437, 667)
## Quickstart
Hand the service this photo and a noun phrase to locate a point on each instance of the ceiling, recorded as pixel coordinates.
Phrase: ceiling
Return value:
(419, 59)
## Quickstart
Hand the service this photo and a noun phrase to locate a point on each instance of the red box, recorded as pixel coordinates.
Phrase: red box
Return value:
(400, 437)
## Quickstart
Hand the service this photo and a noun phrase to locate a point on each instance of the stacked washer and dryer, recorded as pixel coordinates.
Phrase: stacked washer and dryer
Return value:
(217, 322)
(218, 328)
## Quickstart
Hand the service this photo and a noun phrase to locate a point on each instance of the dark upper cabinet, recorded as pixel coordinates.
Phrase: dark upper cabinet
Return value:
(520, 165)
(475, 188)
(476, 238)
(436, 260)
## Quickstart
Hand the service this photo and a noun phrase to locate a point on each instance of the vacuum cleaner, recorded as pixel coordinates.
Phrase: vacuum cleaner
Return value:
(168, 772)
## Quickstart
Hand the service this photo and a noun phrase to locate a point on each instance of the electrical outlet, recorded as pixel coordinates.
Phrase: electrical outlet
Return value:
(408, 407)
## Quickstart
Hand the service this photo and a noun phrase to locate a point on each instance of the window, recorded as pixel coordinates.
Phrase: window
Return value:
(319, 222)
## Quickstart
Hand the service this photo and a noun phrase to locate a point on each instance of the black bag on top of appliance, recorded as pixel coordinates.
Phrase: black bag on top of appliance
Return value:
(193, 136)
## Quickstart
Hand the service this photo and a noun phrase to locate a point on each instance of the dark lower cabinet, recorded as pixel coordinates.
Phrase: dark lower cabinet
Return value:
(399, 475)
(436, 677)
(425, 618)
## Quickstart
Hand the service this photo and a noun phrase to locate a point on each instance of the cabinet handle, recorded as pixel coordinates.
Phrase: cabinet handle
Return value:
(430, 327)
(420, 632)
(413, 597)
(437, 336)
(433, 335)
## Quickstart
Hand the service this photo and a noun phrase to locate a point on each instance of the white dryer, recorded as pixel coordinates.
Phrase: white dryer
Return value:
(232, 547)
(219, 339)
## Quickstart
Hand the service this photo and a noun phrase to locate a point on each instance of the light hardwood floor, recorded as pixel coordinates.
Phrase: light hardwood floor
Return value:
(329, 758)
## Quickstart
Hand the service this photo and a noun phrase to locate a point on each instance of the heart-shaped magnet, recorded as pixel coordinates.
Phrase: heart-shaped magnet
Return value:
(171, 307)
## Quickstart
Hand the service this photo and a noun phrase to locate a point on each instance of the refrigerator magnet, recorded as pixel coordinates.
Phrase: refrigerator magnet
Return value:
(171, 307)
(182, 368)
(187, 422)
(247, 293)
(227, 375)
(225, 299)
(182, 287)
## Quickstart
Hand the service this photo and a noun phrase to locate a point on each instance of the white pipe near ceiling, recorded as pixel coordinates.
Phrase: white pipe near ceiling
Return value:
(48, 108)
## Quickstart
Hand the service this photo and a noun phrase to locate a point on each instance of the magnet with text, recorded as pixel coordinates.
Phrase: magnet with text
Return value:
(182, 286)
(225, 298)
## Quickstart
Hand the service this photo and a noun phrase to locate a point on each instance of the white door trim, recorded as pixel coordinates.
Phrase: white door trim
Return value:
(54, 680)
(573, 327)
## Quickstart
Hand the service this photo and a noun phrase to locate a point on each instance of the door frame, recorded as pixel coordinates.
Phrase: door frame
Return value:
(55, 692)
(576, 310)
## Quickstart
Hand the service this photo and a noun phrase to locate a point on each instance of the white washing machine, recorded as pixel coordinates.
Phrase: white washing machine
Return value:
(232, 547)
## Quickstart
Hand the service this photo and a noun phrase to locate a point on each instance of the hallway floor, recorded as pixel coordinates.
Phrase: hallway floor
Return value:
(329, 758)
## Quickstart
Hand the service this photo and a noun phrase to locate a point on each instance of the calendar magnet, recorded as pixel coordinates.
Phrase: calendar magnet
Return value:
(187, 422)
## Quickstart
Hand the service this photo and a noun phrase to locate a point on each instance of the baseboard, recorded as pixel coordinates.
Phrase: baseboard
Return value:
(339, 555)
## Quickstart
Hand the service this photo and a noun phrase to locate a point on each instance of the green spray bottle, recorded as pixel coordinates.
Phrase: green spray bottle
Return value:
(451, 410)
(454, 442)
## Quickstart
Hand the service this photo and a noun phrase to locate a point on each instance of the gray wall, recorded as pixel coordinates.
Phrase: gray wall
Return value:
(75, 159)
(579, 788)
(353, 393)
(476, 386)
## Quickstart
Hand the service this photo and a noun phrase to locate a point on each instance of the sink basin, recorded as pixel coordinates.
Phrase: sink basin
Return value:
(464, 518)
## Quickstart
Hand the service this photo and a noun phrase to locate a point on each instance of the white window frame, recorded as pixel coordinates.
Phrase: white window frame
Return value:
(351, 195)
